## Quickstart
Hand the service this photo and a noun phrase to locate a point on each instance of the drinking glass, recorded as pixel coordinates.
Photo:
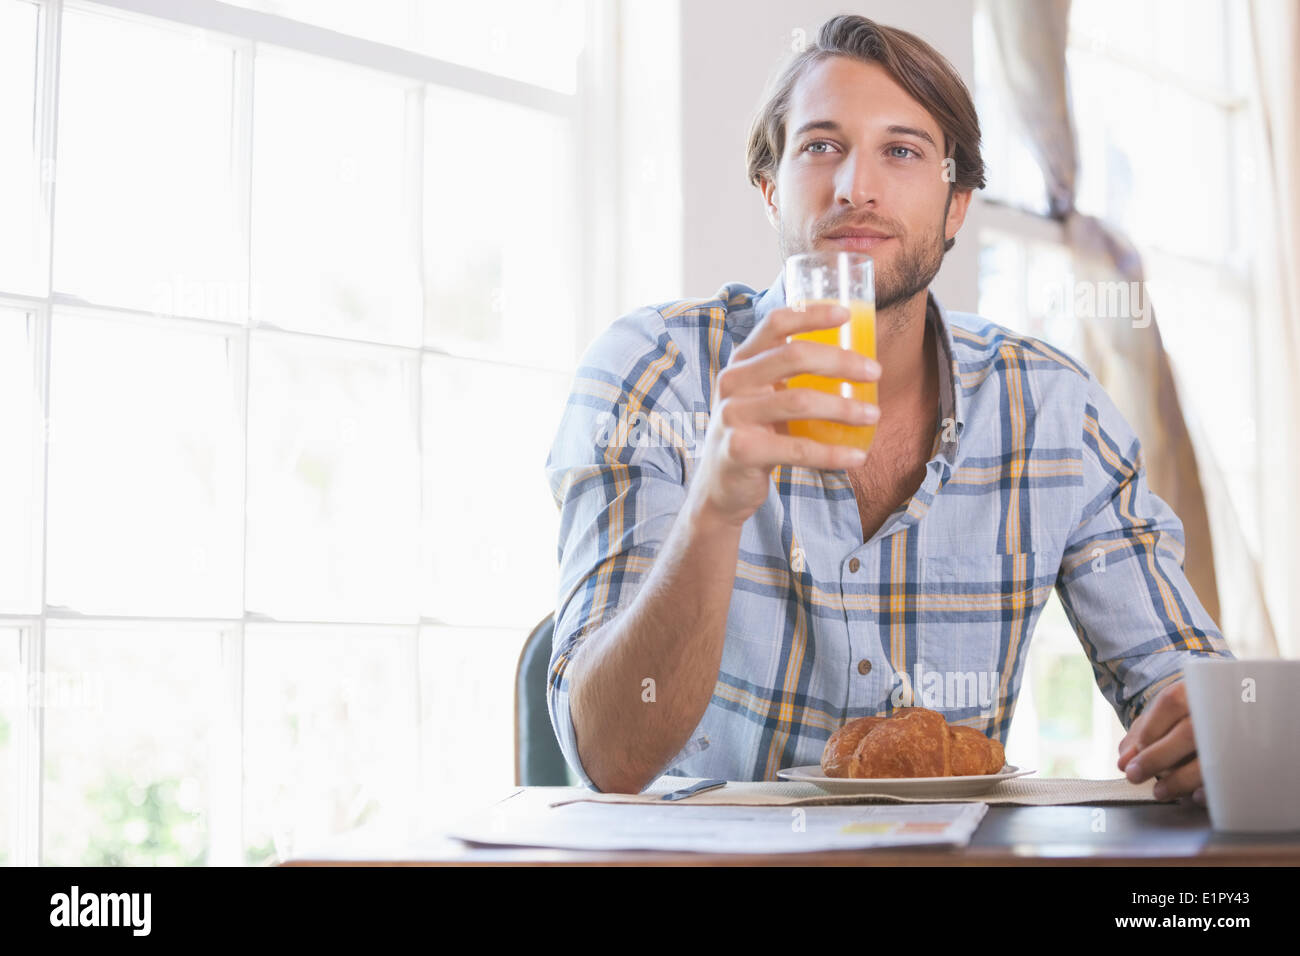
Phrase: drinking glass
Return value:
(844, 278)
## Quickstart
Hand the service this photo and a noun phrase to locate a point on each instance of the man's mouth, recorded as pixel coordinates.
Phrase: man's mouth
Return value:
(858, 242)
(857, 238)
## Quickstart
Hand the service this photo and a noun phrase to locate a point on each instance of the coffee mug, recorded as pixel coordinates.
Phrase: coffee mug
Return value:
(1246, 721)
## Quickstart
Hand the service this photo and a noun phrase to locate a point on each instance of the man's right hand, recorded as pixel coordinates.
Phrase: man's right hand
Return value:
(747, 435)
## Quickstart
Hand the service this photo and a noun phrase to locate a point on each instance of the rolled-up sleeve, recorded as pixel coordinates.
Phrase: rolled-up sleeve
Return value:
(1121, 582)
(617, 469)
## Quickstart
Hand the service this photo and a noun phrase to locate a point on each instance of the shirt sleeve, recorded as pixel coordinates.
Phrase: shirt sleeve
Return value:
(1121, 580)
(617, 469)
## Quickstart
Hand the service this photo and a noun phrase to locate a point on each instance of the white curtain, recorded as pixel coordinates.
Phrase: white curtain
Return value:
(1128, 355)
(1275, 39)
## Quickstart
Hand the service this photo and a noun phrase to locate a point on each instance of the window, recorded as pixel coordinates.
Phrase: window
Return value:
(1143, 76)
(282, 342)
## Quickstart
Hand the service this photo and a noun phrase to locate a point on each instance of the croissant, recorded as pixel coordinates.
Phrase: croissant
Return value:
(915, 742)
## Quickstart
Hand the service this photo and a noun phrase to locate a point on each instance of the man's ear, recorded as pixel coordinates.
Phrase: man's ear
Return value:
(769, 202)
(958, 203)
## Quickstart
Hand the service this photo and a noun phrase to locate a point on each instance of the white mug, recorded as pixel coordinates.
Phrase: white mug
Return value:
(1246, 721)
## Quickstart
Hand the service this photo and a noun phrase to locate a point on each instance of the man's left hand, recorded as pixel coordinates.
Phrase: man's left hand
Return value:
(1160, 744)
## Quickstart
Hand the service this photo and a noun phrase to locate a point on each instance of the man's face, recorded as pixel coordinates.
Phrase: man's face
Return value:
(873, 162)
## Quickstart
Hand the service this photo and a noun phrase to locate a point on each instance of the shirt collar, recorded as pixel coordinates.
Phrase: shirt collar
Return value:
(952, 404)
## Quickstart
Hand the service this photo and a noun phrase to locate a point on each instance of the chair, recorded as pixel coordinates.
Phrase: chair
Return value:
(538, 759)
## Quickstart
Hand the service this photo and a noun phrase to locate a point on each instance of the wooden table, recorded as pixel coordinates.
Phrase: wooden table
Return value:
(1161, 834)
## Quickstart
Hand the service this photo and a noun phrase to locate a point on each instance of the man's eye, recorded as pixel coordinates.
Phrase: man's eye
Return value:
(818, 142)
(906, 149)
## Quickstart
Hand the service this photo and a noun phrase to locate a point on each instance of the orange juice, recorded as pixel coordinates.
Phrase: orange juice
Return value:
(858, 334)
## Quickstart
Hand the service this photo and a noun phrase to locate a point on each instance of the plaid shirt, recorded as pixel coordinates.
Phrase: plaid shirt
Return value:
(1036, 482)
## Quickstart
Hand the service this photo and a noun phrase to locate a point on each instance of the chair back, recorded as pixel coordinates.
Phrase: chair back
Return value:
(539, 761)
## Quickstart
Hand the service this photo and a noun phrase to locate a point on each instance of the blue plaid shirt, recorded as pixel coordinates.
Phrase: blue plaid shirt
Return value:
(1036, 482)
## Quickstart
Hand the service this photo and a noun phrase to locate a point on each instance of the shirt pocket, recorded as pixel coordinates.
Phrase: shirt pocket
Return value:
(975, 614)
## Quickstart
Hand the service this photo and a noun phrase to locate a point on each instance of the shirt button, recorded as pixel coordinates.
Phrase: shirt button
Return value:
(854, 564)
(864, 666)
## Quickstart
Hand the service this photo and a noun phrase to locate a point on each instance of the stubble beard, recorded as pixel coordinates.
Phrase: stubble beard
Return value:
(911, 272)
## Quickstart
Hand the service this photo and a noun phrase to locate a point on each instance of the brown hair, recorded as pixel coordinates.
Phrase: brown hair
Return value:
(915, 65)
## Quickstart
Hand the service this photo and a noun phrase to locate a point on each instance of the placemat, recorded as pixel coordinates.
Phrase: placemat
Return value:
(1027, 791)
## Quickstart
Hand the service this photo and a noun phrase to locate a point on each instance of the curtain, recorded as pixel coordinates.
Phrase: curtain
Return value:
(1126, 353)
(1274, 28)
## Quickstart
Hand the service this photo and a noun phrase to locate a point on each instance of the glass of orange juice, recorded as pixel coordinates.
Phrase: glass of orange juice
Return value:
(843, 278)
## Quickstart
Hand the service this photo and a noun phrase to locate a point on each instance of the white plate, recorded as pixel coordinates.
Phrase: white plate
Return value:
(904, 786)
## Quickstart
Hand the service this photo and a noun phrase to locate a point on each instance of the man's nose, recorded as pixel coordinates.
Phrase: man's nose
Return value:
(857, 182)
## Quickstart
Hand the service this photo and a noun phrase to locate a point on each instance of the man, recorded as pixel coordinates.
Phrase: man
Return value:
(727, 603)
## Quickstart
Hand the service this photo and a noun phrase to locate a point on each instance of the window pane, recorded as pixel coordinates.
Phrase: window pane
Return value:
(1029, 286)
(20, 448)
(1063, 726)
(1183, 38)
(1125, 122)
(333, 487)
(1010, 168)
(20, 207)
(490, 523)
(11, 702)
(384, 21)
(146, 470)
(499, 266)
(129, 720)
(331, 735)
(536, 41)
(467, 679)
(1001, 280)
(145, 206)
(334, 219)
(1055, 313)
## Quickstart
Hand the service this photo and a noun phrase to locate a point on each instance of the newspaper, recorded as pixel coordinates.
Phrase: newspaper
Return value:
(602, 826)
